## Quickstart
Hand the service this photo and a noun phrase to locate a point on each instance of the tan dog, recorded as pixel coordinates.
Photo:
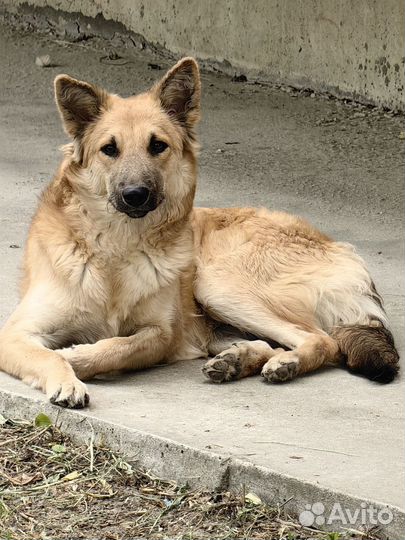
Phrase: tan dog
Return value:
(121, 273)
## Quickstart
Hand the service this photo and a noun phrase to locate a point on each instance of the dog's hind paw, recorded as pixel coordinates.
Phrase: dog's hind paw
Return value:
(281, 368)
(224, 367)
(70, 394)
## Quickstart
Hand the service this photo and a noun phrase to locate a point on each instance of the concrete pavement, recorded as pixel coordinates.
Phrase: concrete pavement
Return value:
(329, 437)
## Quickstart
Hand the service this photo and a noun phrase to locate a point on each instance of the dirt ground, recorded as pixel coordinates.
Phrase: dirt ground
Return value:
(51, 488)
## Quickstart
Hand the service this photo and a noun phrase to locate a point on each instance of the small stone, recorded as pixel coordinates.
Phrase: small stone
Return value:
(43, 61)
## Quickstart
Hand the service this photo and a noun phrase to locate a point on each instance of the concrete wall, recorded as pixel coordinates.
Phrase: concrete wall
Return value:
(351, 48)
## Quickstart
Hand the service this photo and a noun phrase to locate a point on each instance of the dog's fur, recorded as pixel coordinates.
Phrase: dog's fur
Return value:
(109, 288)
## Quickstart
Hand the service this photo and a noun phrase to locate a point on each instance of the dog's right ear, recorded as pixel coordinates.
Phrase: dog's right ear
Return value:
(79, 104)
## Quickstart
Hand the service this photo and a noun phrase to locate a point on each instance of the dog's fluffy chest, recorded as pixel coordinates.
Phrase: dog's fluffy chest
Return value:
(123, 283)
(138, 277)
(128, 281)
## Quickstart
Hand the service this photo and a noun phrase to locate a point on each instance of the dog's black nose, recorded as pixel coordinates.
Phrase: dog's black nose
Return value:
(135, 196)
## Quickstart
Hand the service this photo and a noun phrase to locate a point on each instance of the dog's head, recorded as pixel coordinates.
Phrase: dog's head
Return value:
(137, 152)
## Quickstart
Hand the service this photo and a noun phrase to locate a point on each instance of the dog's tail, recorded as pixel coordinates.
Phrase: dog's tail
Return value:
(368, 350)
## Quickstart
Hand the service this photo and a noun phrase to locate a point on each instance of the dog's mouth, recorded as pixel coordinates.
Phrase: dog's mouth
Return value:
(135, 214)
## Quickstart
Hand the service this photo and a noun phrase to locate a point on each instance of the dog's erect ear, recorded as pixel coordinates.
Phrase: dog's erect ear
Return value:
(79, 103)
(179, 92)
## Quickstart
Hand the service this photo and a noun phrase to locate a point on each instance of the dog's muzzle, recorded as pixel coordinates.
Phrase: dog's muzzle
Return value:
(136, 201)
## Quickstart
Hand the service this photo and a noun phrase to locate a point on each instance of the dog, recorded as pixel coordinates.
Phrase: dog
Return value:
(121, 272)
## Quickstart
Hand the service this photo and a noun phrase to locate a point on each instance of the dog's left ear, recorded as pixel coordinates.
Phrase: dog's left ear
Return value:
(179, 93)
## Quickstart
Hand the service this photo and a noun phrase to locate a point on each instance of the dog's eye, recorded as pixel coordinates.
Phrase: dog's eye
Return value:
(110, 149)
(157, 147)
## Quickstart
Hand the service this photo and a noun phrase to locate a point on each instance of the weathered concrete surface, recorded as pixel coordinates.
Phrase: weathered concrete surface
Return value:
(353, 49)
(326, 437)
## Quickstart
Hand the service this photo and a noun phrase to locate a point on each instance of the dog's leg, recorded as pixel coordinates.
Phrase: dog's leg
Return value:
(316, 351)
(26, 343)
(143, 349)
(311, 347)
(24, 356)
(237, 359)
(246, 358)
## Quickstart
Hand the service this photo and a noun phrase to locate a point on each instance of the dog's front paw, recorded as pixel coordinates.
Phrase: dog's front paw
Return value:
(224, 367)
(281, 368)
(70, 393)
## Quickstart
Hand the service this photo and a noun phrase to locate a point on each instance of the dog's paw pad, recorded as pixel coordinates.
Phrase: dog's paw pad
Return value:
(223, 368)
(278, 370)
(71, 395)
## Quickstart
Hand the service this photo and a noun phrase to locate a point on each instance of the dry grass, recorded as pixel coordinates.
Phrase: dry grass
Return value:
(51, 488)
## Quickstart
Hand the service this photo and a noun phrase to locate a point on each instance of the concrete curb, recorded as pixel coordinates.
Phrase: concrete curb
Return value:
(171, 460)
